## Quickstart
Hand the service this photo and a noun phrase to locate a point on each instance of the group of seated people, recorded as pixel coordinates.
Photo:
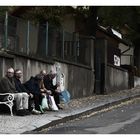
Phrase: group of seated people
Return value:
(28, 96)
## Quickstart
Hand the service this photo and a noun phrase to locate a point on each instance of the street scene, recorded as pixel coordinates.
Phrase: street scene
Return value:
(69, 69)
(122, 119)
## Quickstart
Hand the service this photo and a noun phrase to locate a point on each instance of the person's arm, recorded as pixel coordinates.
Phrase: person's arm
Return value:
(17, 85)
(5, 86)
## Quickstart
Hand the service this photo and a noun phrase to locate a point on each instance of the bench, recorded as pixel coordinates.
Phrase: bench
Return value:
(7, 99)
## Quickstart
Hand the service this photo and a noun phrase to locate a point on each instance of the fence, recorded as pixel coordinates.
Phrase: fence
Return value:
(43, 41)
(2, 33)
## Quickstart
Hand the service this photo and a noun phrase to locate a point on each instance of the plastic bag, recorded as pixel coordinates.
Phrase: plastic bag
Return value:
(52, 104)
(64, 96)
(44, 103)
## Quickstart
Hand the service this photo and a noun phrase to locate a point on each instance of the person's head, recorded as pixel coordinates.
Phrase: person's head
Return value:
(18, 73)
(10, 72)
(52, 74)
(39, 77)
(58, 83)
(43, 72)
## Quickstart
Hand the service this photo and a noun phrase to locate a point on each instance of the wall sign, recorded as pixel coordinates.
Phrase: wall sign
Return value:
(116, 60)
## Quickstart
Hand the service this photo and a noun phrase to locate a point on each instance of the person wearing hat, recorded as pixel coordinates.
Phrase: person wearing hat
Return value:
(7, 85)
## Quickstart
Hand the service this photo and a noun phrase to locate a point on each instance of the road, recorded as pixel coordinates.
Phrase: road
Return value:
(121, 119)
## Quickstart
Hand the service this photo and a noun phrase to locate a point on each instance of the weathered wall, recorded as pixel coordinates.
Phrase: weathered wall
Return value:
(6, 61)
(116, 79)
(136, 81)
(79, 80)
(29, 67)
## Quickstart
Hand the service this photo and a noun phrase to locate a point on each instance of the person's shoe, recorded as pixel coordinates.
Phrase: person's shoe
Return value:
(41, 109)
(36, 112)
(20, 112)
(59, 107)
(27, 112)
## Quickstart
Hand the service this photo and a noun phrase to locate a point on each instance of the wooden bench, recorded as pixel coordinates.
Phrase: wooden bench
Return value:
(7, 99)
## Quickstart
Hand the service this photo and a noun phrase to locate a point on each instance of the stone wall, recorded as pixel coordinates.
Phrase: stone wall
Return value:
(116, 79)
(79, 80)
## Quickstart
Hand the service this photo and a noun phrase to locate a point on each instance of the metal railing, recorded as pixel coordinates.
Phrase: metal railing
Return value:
(43, 41)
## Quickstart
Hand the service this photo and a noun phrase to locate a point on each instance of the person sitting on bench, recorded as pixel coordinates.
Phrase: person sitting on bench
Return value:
(7, 85)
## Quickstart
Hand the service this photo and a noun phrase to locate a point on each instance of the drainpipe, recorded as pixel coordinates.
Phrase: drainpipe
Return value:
(6, 31)
(46, 38)
(28, 37)
(63, 40)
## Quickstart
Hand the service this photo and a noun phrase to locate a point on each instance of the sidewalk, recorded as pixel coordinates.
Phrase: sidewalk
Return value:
(76, 107)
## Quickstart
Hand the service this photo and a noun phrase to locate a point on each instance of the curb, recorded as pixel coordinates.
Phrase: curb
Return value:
(71, 117)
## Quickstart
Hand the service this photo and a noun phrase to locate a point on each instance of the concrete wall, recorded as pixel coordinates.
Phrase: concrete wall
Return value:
(29, 67)
(6, 61)
(116, 79)
(79, 80)
(136, 81)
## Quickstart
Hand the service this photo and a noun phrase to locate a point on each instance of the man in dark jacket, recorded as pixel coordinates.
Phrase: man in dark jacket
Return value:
(48, 82)
(33, 87)
(22, 89)
(7, 85)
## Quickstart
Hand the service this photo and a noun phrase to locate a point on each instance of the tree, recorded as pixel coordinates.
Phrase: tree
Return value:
(52, 14)
(120, 18)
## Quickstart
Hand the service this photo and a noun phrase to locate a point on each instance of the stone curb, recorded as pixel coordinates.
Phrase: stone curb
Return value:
(71, 117)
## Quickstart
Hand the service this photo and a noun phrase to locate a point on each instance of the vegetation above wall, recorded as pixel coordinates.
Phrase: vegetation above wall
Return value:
(125, 19)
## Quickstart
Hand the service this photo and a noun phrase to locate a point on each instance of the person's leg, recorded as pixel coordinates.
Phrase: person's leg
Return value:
(31, 104)
(57, 99)
(37, 102)
(19, 105)
(25, 100)
(18, 99)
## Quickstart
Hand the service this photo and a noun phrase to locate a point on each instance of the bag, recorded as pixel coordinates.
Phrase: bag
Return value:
(52, 104)
(64, 96)
(44, 103)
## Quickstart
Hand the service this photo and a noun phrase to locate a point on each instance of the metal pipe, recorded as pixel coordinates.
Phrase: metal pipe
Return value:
(28, 37)
(63, 39)
(46, 38)
(6, 30)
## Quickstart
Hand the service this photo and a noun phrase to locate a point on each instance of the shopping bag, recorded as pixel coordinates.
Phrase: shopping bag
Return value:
(44, 103)
(52, 103)
(64, 96)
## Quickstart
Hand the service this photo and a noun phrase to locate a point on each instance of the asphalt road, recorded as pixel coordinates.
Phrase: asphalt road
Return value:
(121, 119)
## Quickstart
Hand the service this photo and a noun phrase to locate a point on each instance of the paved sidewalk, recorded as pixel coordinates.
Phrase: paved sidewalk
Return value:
(76, 107)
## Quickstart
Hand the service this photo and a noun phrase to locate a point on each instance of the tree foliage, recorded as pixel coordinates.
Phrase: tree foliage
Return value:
(120, 17)
(53, 14)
